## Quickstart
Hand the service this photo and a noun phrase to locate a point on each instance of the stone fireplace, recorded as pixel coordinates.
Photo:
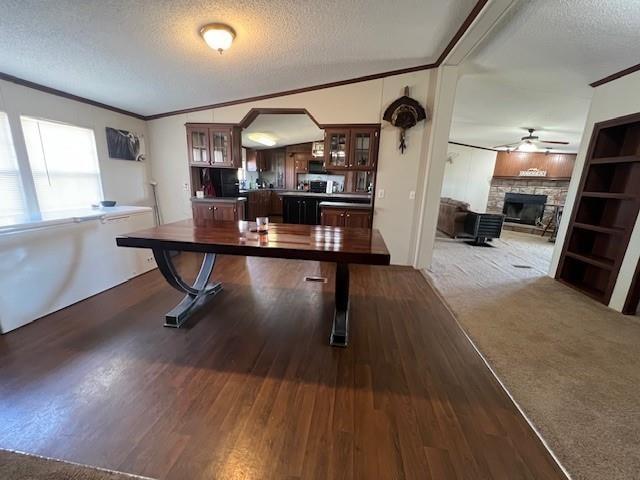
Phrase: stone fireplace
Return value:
(523, 208)
(555, 192)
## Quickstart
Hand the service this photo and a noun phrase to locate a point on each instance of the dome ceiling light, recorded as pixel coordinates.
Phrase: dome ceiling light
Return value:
(262, 138)
(218, 36)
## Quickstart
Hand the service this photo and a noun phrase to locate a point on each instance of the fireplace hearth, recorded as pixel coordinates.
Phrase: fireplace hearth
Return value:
(523, 207)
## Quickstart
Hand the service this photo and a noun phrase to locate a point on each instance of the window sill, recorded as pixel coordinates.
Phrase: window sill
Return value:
(15, 224)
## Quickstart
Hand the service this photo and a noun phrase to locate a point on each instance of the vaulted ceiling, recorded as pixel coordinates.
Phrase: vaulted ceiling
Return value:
(535, 67)
(147, 56)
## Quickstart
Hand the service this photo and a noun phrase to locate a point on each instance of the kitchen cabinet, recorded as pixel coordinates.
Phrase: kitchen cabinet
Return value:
(302, 210)
(290, 176)
(198, 146)
(252, 160)
(336, 148)
(216, 145)
(346, 217)
(356, 218)
(351, 148)
(364, 147)
(301, 162)
(362, 181)
(263, 160)
(276, 204)
(223, 210)
(259, 204)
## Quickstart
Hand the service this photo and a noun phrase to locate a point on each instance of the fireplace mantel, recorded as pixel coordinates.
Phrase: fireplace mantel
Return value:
(558, 166)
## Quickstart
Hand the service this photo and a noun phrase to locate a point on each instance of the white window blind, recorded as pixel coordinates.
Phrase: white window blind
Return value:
(64, 164)
(11, 194)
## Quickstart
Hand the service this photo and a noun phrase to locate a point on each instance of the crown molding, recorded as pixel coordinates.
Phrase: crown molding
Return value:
(475, 11)
(615, 76)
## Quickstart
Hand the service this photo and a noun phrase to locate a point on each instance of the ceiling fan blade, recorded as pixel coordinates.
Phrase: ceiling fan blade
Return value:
(556, 143)
(508, 145)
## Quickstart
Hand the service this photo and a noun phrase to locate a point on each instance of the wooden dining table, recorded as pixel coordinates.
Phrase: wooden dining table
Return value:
(339, 245)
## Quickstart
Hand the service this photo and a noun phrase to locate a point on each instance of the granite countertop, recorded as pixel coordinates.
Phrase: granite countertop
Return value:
(219, 199)
(275, 189)
(362, 206)
(327, 195)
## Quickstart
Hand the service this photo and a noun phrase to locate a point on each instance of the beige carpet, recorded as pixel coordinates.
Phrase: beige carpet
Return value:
(572, 364)
(20, 466)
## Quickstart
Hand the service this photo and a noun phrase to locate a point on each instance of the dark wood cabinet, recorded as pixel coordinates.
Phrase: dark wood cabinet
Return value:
(558, 166)
(276, 204)
(303, 210)
(605, 211)
(351, 148)
(332, 217)
(198, 146)
(259, 204)
(364, 148)
(263, 160)
(346, 217)
(218, 210)
(252, 160)
(301, 162)
(336, 148)
(216, 145)
(357, 218)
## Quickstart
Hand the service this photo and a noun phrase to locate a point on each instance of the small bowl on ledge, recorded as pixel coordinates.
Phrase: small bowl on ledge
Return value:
(108, 203)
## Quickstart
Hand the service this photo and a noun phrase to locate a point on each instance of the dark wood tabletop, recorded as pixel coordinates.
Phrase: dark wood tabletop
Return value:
(301, 242)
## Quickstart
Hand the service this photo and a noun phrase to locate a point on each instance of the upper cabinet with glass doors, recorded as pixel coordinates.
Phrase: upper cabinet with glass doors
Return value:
(215, 145)
(351, 148)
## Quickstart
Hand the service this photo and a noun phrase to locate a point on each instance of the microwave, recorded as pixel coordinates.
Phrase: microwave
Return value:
(316, 166)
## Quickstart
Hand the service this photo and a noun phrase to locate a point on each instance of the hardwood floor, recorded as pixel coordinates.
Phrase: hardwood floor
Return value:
(252, 390)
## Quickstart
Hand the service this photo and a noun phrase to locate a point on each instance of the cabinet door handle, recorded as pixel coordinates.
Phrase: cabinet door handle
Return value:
(348, 215)
(215, 208)
(342, 214)
(210, 208)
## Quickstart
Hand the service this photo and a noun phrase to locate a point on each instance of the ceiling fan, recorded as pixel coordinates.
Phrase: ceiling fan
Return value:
(530, 143)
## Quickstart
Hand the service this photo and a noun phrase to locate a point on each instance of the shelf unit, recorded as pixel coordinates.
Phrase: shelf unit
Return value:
(605, 210)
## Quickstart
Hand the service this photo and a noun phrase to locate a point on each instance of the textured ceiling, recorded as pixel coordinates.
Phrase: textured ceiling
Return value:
(146, 56)
(534, 69)
(286, 129)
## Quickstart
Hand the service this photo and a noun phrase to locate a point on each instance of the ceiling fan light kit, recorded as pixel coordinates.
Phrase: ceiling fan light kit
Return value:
(530, 143)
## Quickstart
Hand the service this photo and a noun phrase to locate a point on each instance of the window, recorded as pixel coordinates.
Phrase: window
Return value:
(11, 196)
(64, 164)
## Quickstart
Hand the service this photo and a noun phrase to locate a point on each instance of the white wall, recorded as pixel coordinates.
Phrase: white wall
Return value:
(122, 180)
(362, 102)
(467, 175)
(611, 100)
(45, 270)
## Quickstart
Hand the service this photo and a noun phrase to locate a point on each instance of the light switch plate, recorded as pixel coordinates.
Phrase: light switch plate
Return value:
(381, 193)
(412, 195)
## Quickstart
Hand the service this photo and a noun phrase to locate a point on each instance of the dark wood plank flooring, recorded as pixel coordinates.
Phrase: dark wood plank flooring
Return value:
(252, 390)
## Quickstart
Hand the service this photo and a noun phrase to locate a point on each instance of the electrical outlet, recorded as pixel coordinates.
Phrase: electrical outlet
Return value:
(185, 187)
(412, 195)
(381, 193)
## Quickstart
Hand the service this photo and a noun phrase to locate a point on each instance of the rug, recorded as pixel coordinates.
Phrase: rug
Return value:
(22, 466)
(571, 363)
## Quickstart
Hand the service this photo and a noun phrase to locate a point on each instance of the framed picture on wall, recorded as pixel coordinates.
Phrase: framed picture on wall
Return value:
(125, 145)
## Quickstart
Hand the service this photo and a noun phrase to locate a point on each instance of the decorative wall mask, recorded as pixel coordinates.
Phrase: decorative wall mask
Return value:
(404, 113)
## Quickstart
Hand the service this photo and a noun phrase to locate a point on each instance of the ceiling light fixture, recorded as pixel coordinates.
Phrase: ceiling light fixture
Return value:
(527, 146)
(218, 36)
(262, 138)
